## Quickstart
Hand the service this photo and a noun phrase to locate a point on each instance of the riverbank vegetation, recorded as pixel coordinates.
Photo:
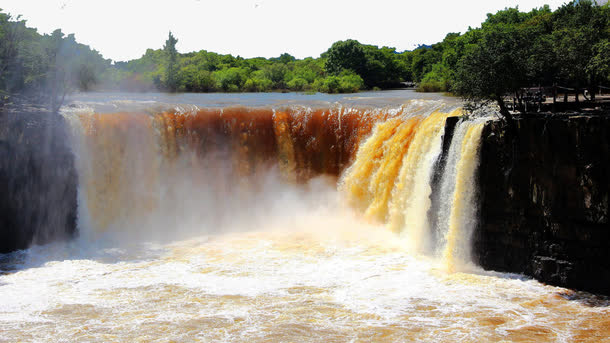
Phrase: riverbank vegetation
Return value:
(43, 68)
(514, 50)
(347, 66)
(511, 50)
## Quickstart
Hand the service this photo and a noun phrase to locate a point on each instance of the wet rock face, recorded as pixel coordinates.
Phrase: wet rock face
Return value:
(38, 180)
(544, 190)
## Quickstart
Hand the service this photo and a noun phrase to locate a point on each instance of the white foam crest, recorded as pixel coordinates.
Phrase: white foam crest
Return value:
(386, 288)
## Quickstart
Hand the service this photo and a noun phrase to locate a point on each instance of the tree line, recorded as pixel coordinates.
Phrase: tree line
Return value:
(44, 68)
(513, 50)
(348, 66)
(509, 51)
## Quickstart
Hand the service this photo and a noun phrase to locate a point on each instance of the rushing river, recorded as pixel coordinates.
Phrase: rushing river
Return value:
(290, 218)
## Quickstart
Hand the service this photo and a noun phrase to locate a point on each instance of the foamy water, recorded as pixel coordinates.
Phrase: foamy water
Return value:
(321, 277)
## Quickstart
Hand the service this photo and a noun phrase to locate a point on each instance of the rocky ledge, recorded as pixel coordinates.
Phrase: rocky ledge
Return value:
(544, 184)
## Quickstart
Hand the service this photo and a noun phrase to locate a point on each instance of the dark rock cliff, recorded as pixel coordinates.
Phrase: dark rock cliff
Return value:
(38, 180)
(544, 187)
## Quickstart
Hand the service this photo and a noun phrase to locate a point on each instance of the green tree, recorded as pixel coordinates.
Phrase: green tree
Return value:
(345, 55)
(578, 29)
(493, 67)
(276, 72)
(258, 82)
(381, 67)
(231, 79)
(599, 66)
(436, 80)
(42, 69)
(285, 58)
(171, 71)
(297, 84)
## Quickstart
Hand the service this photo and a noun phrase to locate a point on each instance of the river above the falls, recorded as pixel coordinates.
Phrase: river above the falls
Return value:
(110, 101)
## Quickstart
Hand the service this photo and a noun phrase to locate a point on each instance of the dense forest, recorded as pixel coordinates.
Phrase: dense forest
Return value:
(514, 50)
(347, 66)
(510, 50)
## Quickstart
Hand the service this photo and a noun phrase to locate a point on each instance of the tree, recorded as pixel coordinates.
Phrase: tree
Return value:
(345, 55)
(286, 58)
(42, 69)
(230, 79)
(20, 57)
(171, 69)
(493, 67)
(62, 67)
(423, 58)
(578, 29)
(381, 68)
(599, 66)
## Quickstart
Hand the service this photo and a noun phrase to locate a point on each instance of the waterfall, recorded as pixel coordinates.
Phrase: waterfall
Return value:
(391, 182)
(463, 216)
(174, 169)
(178, 169)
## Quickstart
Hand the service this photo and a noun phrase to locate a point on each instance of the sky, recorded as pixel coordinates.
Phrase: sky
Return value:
(123, 29)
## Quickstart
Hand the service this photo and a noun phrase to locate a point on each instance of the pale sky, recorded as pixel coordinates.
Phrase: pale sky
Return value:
(124, 29)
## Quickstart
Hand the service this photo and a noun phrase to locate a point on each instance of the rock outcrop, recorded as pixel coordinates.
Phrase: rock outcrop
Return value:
(544, 187)
(38, 181)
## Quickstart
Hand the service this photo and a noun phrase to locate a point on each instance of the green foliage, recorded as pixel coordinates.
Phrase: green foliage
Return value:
(511, 50)
(493, 67)
(378, 67)
(350, 83)
(44, 68)
(436, 80)
(298, 84)
(403, 63)
(579, 30)
(514, 50)
(258, 82)
(599, 66)
(423, 59)
(345, 55)
(284, 58)
(231, 79)
(171, 57)
(346, 82)
(276, 72)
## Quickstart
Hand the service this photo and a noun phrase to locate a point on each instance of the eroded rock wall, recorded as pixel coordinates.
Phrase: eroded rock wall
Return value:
(38, 181)
(544, 187)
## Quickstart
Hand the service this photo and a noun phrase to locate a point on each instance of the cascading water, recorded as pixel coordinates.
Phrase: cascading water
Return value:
(231, 224)
(137, 169)
(462, 216)
(392, 175)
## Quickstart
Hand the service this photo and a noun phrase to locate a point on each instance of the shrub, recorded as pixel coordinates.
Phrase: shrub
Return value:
(350, 83)
(429, 86)
(297, 84)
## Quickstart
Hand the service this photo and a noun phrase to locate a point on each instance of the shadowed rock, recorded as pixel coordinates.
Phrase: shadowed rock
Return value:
(544, 200)
(38, 181)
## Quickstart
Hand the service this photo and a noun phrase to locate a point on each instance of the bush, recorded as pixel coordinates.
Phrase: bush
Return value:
(431, 86)
(258, 85)
(231, 79)
(205, 82)
(437, 80)
(350, 83)
(347, 82)
(297, 84)
(330, 84)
